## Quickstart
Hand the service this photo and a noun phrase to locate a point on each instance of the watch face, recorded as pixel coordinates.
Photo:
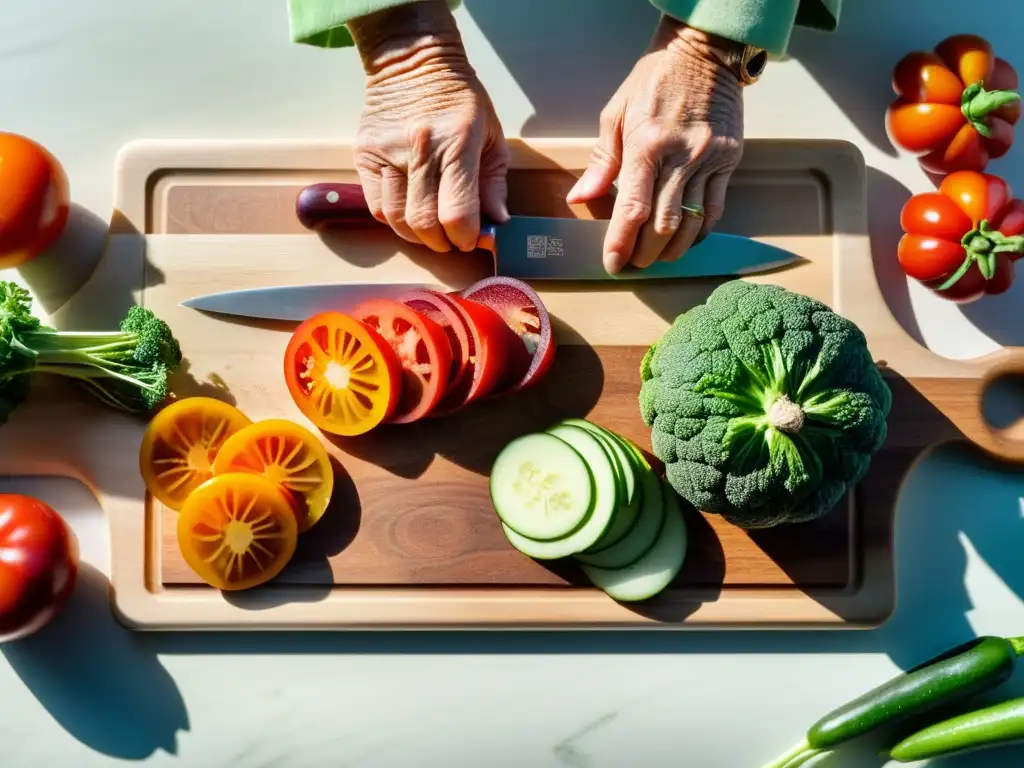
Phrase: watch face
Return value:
(756, 64)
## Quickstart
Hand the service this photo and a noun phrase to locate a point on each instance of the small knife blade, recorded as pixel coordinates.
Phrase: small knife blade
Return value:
(553, 248)
(295, 303)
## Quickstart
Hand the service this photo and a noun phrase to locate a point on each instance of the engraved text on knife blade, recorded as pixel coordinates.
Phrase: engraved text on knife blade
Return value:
(543, 247)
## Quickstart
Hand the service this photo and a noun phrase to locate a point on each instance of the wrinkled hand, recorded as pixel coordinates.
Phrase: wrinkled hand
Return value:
(672, 135)
(430, 152)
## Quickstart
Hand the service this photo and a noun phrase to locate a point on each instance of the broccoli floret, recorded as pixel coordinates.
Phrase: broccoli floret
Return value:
(126, 369)
(764, 405)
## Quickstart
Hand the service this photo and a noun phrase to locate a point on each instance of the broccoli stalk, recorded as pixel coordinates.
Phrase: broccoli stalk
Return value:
(127, 369)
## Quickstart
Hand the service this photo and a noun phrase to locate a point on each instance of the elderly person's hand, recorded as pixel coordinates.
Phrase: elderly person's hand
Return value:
(672, 135)
(430, 152)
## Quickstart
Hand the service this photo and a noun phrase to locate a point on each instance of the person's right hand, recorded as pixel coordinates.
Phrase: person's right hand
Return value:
(430, 153)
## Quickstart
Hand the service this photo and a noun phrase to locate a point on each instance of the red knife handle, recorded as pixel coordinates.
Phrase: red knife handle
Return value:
(331, 203)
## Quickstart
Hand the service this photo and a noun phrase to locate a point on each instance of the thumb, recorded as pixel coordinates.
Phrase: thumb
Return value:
(603, 168)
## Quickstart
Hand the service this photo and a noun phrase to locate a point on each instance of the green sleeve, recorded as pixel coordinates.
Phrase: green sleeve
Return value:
(762, 23)
(322, 22)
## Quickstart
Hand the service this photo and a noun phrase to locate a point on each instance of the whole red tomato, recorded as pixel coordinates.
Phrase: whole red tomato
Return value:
(957, 105)
(34, 199)
(962, 241)
(38, 565)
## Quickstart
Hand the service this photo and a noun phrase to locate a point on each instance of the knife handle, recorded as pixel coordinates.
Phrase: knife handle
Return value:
(330, 203)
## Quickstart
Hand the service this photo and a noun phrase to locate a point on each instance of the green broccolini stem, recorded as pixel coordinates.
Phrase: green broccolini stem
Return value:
(78, 357)
(90, 374)
(67, 340)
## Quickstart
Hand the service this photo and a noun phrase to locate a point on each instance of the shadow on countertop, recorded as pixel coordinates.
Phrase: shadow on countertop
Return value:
(102, 684)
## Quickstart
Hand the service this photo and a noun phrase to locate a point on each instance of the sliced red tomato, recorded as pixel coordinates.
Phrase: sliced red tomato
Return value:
(237, 530)
(494, 351)
(423, 352)
(442, 310)
(523, 311)
(342, 375)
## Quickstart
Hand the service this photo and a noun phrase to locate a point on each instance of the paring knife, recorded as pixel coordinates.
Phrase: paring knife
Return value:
(551, 248)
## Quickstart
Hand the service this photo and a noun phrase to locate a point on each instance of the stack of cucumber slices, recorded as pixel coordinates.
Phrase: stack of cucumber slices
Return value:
(578, 490)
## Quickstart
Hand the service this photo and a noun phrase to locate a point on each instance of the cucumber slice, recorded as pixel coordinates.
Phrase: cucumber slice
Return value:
(602, 510)
(626, 517)
(656, 569)
(541, 487)
(620, 452)
(641, 537)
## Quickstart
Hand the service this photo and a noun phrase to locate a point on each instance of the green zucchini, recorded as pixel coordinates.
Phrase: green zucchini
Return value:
(954, 676)
(997, 725)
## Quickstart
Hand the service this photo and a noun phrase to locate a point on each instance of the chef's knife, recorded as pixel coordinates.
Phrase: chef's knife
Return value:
(550, 248)
(294, 303)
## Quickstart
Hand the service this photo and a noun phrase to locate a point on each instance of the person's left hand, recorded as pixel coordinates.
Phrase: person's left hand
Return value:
(672, 134)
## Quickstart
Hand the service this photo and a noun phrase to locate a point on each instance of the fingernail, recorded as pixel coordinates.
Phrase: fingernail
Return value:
(503, 213)
(611, 263)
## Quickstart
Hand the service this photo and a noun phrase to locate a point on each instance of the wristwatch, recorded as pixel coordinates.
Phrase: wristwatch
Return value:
(746, 61)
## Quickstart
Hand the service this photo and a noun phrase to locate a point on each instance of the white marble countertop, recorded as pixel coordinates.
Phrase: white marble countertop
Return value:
(84, 78)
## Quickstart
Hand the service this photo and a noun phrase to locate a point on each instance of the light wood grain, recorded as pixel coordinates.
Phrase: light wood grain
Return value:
(411, 540)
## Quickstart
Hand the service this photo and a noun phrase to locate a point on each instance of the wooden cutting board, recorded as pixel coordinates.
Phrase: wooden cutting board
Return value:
(411, 540)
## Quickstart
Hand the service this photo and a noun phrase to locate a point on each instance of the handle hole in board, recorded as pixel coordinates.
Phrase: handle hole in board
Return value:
(1002, 405)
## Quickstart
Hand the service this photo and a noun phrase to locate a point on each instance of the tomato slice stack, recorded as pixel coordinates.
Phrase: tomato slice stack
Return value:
(423, 351)
(524, 313)
(425, 354)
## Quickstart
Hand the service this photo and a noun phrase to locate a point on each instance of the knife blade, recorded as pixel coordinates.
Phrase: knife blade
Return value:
(294, 303)
(552, 248)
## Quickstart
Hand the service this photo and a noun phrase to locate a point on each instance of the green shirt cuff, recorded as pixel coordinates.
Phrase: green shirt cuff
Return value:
(765, 24)
(322, 23)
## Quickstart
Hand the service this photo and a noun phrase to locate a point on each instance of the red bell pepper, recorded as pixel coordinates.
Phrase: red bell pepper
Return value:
(957, 105)
(962, 241)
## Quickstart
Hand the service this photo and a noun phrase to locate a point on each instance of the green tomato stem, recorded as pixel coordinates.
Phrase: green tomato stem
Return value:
(981, 246)
(976, 104)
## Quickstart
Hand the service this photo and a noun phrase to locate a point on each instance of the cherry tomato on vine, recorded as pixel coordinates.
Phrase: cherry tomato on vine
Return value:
(957, 105)
(962, 240)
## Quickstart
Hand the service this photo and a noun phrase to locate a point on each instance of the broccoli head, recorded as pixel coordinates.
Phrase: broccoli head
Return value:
(764, 405)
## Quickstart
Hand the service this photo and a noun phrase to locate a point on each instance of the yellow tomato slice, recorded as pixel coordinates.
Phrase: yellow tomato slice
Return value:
(289, 455)
(237, 531)
(180, 444)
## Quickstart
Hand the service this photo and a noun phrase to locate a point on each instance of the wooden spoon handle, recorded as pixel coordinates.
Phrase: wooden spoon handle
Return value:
(1005, 443)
